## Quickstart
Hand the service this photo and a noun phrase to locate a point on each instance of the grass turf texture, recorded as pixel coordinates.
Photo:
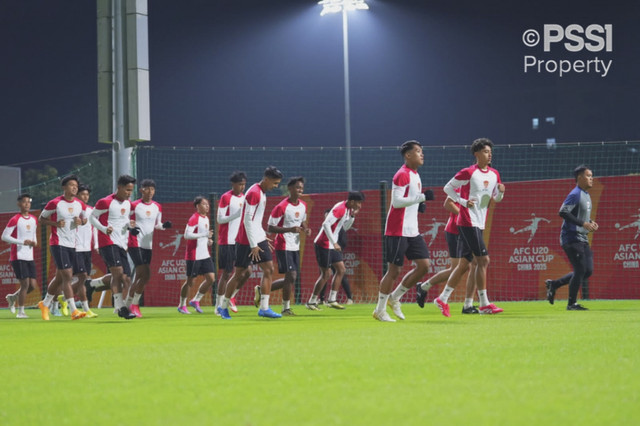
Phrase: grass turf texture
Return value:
(532, 364)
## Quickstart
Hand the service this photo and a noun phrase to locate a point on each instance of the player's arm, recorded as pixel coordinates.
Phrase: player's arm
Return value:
(326, 227)
(6, 235)
(223, 209)
(498, 192)
(250, 225)
(450, 190)
(399, 200)
(191, 234)
(451, 206)
(95, 220)
(46, 214)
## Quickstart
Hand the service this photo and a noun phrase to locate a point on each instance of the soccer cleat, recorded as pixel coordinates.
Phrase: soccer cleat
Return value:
(551, 292)
(313, 307)
(125, 313)
(382, 316)
(257, 293)
(224, 313)
(288, 313)
(395, 307)
(64, 306)
(55, 309)
(183, 310)
(135, 309)
(421, 295)
(11, 301)
(88, 289)
(268, 313)
(233, 306)
(490, 309)
(196, 305)
(470, 310)
(91, 314)
(78, 314)
(444, 307)
(349, 301)
(44, 310)
(22, 315)
(576, 307)
(335, 305)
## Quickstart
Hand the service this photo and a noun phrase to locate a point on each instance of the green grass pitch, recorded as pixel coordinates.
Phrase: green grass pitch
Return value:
(533, 364)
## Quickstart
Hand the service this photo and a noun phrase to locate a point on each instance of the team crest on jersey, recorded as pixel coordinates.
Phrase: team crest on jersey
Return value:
(297, 215)
(28, 227)
(70, 210)
(148, 213)
(486, 184)
(122, 211)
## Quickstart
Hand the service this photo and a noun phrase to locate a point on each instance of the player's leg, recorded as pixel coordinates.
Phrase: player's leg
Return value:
(266, 264)
(205, 286)
(336, 282)
(287, 291)
(582, 263)
(468, 307)
(346, 286)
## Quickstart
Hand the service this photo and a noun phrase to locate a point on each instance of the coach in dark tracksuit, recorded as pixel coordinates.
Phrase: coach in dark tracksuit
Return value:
(576, 212)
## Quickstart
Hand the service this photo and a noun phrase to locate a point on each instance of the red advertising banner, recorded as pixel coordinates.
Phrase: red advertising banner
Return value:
(522, 236)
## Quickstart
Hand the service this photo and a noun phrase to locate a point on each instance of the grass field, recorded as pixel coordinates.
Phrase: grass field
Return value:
(533, 364)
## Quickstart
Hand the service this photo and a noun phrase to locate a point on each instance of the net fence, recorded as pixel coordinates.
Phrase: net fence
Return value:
(522, 232)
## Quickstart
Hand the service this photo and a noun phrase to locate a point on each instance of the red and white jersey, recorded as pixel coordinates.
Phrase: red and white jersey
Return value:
(288, 215)
(229, 217)
(478, 185)
(406, 194)
(86, 235)
(251, 232)
(338, 218)
(60, 209)
(110, 211)
(148, 217)
(19, 229)
(451, 226)
(197, 235)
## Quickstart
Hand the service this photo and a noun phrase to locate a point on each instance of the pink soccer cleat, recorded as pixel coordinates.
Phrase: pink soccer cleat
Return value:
(444, 307)
(490, 309)
(135, 309)
(232, 305)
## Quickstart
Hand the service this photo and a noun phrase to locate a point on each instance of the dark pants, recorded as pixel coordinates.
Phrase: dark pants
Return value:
(581, 258)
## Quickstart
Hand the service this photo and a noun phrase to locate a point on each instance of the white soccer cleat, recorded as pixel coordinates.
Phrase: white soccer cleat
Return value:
(21, 315)
(383, 316)
(11, 301)
(396, 307)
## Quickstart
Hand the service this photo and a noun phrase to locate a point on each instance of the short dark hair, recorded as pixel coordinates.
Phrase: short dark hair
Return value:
(237, 177)
(355, 196)
(23, 195)
(408, 146)
(148, 183)
(198, 200)
(125, 180)
(580, 170)
(295, 180)
(272, 172)
(84, 187)
(480, 143)
(67, 179)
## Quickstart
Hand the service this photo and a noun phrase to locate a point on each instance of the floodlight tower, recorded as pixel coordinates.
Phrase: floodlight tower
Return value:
(344, 6)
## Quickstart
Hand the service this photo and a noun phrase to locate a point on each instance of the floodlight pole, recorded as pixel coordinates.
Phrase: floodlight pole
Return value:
(347, 105)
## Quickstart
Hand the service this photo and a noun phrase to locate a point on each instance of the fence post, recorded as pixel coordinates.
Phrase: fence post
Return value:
(213, 214)
(383, 220)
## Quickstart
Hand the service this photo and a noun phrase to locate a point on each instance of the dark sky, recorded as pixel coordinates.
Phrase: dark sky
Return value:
(270, 73)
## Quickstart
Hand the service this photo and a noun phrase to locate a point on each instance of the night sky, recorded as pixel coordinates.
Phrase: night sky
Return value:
(270, 73)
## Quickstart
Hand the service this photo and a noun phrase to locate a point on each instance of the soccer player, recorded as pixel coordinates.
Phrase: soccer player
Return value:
(574, 237)
(478, 184)
(329, 251)
(63, 214)
(288, 219)
(20, 232)
(147, 215)
(86, 239)
(452, 237)
(252, 244)
(342, 241)
(198, 234)
(229, 220)
(401, 236)
(110, 216)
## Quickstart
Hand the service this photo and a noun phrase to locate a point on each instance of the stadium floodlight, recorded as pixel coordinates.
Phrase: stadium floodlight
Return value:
(335, 6)
(344, 6)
